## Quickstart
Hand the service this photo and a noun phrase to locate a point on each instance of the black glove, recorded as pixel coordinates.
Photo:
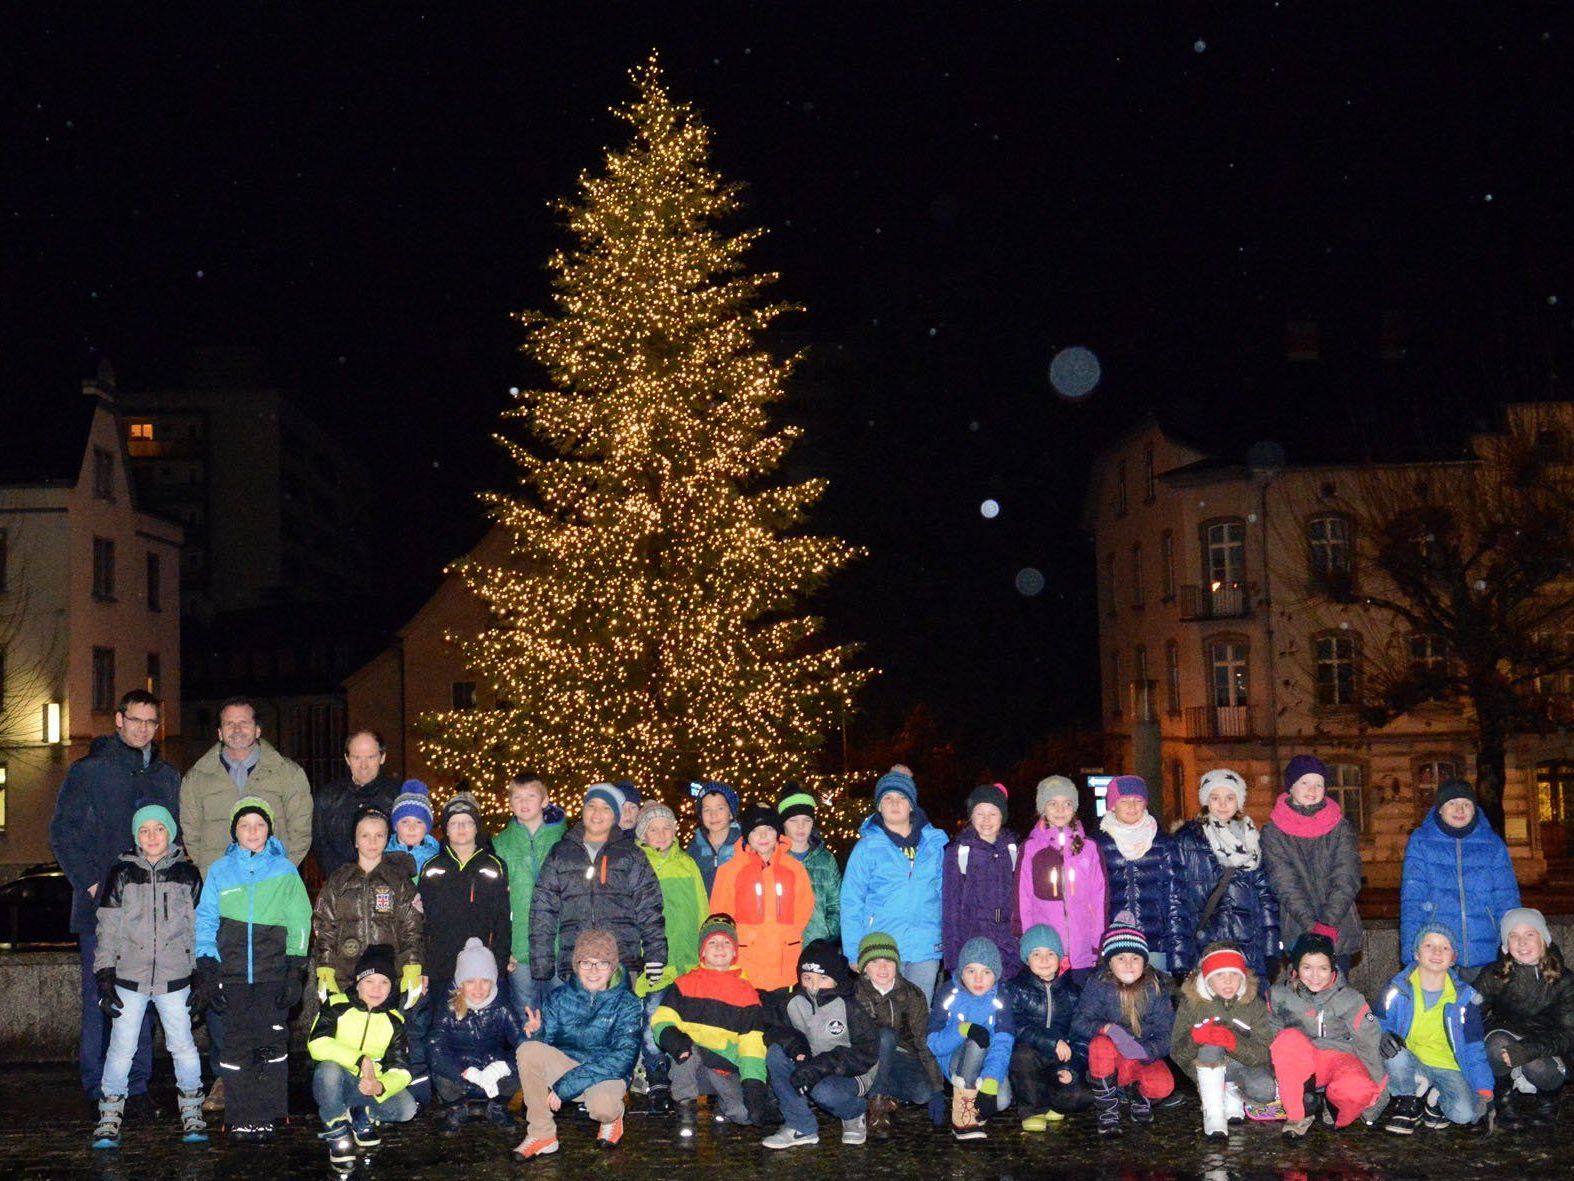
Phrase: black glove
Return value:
(755, 1095)
(108, 998)
(978, 1035)
(292, 986)
(987, 1104)
(208, 976)
(806, 1077)
(1390, 1044)
(795, 1045)
(676, 1044)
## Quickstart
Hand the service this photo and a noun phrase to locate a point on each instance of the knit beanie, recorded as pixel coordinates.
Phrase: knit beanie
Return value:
(631, 794)
(979, 950)
(375, 813)
(596, 944)
(248, 806)
(378, 960)
(700, 790)
(1434, 928)
(897, 782)
(877, 945)
(719, 924)
(1222, 957)
(156, 812)
(1455, 789)
(475, 962)
(1303, 765)
(1124, 786)
(1053, 788)
(1222, 777)
(463, 803)
(608, 795)
(1124, 934)
(1040, 935)
(413, 801)
(825, 957)
(650, 812)
(1310, 943)
(988, 793)
(794, 802)
(756, 815)
(1524, 916)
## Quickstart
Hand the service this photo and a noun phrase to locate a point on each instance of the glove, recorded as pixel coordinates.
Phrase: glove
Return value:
(197, 997)
(1325, 929)
(1211, 1033)
(653, 971)
(676, 1044)
(108, 999)
(987, 1103)
(326, 983)
(754, 1100)
(471, 1075)
(495, 1073)
(806, 1077)
(976, 1033)
(410, 984)
(292, 986)
(1128, 1046)
(795, 1045)
(936, 1106)
(1390, 1044)
(213, 991)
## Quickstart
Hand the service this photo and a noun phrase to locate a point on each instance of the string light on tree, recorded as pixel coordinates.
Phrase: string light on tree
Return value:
(646, 622)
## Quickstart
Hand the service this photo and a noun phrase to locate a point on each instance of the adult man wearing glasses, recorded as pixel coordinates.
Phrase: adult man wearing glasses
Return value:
(90, 829)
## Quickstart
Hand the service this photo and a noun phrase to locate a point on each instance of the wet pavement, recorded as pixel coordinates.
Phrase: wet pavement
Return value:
(44, 1129)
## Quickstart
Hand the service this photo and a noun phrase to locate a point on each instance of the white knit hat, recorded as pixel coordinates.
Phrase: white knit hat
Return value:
(1222, 777)
(475, 962)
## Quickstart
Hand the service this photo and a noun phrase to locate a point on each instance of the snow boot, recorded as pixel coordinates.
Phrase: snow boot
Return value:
(341, 1143)
(1106, 1101)
(964, 1114)
(1139, 1105)
(1506, 1116)
(1210, 1090)
(111, 1110)
(1234, 1103)
(193, 1128)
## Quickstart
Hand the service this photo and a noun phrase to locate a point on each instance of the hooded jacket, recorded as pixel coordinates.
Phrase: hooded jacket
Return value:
(599, 1030)
(616, 892)
(334, 809)
(1395, 1011)
(834, 1033)
(719, 1011)
(479, 1038)
(1144, 887)
(420, 853)
(978, 893)
(1247, 914)
(523, 853)
(711, 859)
(1337, 1018)
(1520, 999)
(345, 1031)
(208, 795)
(684, 906)
(884, 889)
(253, 915)
(955, 1009)
(771, 905)
(1245, 1015)
(1050, 867)
(1314, 865)
(464, 900)
(1099, 1005)
(93, 814)
(147, 922)
(1041, 1014)
(356, 909)
(826, 878)
(904, 1011)
(1465, 881)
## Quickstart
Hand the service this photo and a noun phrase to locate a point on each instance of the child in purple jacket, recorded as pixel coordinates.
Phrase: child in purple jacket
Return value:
(978, 882)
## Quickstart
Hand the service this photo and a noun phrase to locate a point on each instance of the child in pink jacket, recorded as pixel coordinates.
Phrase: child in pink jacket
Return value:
(1061, 879)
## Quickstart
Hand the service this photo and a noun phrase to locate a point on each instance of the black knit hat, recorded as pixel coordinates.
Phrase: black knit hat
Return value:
(757, 814)
(376, 960)
(1310, 943)
(989, 793)
(1455, 789)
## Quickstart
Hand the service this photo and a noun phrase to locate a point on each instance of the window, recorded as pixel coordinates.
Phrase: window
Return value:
(1430, 773)
(4, 553)
(103, 568)
(143, 431)
(1114, 685)
(1109, 584)
(1224, 554)
(1172, 677)
(1346, 787)
(1551, 651)
(1334, 658)
(1141, 687)
(103, 474)
(2, 681)
(1167, 565)
(1228, 671)
(2, 797)
(1328, 547)
(155, 587)
(1148, 492)
(1121, 503)
(464, 695)
(1429, 658)
(103, 680)
(1136, 575)
(1178, 778)
(155, 677)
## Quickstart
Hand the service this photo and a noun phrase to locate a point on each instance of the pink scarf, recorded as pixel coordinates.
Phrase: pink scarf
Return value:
(1318, 824)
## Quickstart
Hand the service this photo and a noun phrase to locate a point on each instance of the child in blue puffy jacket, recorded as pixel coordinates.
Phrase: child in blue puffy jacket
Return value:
(971, 1035)
(473, 1042)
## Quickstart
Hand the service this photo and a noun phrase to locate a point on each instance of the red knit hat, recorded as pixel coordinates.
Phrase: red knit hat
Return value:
(1223, 959)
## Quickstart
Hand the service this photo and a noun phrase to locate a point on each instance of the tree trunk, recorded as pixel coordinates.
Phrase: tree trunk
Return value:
(1491, 761)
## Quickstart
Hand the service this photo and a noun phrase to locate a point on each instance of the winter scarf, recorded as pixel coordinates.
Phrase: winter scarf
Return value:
(1235, 842)
(1298, 823)
(1133, 840)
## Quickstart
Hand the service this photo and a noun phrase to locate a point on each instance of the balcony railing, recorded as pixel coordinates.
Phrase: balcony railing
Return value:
(1218, 600)
(1222, 721)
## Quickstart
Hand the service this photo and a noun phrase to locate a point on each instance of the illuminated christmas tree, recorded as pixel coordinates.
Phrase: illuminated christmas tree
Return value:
(647, 620)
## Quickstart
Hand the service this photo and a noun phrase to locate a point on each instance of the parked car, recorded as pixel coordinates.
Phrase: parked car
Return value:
(35, 909)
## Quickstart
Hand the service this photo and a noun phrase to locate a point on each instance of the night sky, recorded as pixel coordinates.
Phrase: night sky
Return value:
(362, 191)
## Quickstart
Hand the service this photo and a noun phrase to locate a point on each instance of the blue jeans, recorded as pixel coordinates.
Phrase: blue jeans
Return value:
(967, 1064)
(1408, 1075)
(95, 1032)
(837, 1094)
(923, 974)
(126, 1033)
(523, 992)
(649, 1052)
(900, 1074)
(338, 1092)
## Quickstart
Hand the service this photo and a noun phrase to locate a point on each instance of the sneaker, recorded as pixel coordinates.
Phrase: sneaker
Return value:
(1294, 1129)
(110, 1110)
(1265, 1112)
(788, 1137)
(1035, 1123)
(658, 1099)
(1403, 1115)
(364, 1128)
(450, 1117)
(608, 1135)
(1432, 1115)
(855, 1131)
(528, 1148)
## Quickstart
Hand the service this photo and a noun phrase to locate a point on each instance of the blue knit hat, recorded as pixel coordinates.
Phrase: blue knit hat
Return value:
(898, 782)
(414, 802)
(1041, 935)
(979, 950)
(1124, 934)
(1434, 928)
(1303, 765)
(608, 795)
(156, 812)
(631, 794)
(700, 790)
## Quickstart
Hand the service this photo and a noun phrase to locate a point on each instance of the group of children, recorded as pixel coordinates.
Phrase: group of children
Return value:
(760, 1003)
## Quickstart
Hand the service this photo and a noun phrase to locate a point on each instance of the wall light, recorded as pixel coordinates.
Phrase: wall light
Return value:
(52, 722)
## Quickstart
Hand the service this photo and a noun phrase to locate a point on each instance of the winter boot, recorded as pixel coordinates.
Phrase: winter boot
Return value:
(341, 1143)
(880, 1109)
(1403, 1115)
(658, 1099)
(451, 1116)
(1234, 1103)
(1544, 1108)
(193, 1128)
(214, 1103)
(1432, 1116)
(1106, 1101)
(1506, 1116)
(688, 1119)
(1210, 1090)
(497, 1113)
(964, 1114)
(111, 1110)
(1140, 1105)
(1312, 1104)
(364, 1128)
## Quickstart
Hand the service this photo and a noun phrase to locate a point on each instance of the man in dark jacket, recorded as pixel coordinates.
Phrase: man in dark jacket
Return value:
(464, 894)
(121, 772)
(337, 804)
(597, 877)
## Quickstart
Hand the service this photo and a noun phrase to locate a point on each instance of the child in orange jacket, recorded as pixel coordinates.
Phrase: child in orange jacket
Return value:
(767, 891)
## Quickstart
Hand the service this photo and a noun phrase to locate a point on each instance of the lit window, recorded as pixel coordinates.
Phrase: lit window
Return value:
(142, 430)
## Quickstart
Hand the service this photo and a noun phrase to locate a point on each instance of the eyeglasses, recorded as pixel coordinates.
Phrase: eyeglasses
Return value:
(130, 721)
(594, 966)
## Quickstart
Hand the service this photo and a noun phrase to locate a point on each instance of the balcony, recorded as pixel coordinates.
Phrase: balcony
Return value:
(1223, 722)
(1218, 600)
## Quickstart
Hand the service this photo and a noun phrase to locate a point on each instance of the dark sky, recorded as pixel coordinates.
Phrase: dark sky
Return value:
(362, 190)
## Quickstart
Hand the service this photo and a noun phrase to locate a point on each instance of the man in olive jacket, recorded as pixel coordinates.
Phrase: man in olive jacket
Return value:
(242, 764)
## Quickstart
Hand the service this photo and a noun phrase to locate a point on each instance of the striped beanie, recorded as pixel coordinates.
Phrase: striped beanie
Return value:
(1124, 934)
(719, 924)
(1223, 957)
(414, 801)
(794, 802)
(877, 945)
(649, 812)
